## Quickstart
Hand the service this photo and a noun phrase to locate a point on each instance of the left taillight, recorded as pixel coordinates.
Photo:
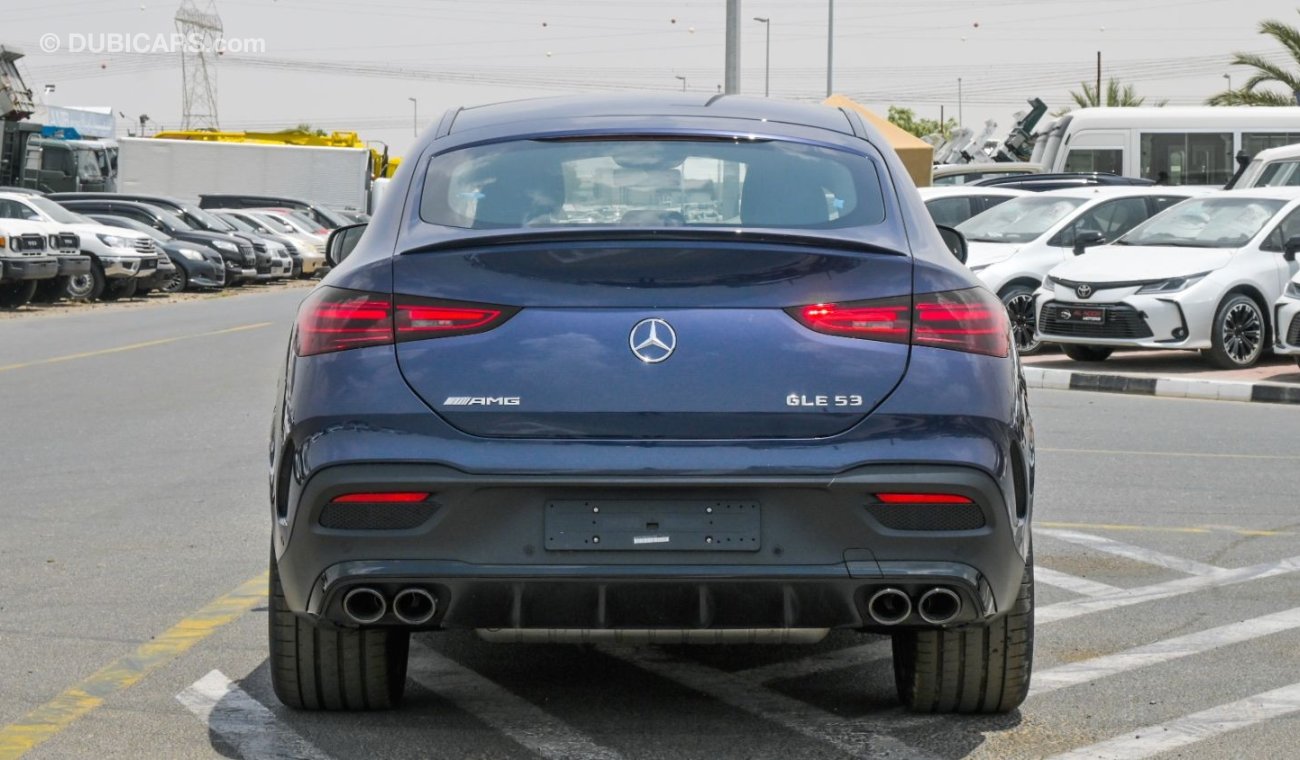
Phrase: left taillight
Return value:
(971, 320)
(335, 319)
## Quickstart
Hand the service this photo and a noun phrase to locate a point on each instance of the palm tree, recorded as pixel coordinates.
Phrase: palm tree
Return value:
(1116, 95)
(1266, 72)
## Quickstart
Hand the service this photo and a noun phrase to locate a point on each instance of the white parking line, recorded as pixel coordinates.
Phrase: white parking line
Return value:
(1085, 671)
(1073, 583)
(1129, 551)
(245, 724)
(848, 657)
(514, 716)
(1130, 596)
(1190, 729)
(856, 737)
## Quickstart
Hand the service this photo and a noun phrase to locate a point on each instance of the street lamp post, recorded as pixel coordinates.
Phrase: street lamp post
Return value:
(961, 119)
(1229, 78)
(415, 117)
(830, 45)
(767, 59)
(679, 76)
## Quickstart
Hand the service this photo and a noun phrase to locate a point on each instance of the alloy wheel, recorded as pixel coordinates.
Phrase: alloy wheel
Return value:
(1020, 308)
(175, 283)
(1242, 332)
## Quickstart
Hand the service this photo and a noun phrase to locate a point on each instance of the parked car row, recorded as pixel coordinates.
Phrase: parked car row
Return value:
(81, 246)
(1180, 268)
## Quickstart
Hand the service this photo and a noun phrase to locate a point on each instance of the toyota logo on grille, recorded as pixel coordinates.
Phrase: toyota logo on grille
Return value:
(1083, 290)
(652, 340)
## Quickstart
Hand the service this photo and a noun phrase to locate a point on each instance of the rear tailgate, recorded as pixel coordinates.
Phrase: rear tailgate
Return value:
(652, 340)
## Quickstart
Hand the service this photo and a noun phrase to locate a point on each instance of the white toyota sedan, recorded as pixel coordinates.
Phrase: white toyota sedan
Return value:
(1013, 245)
(1203, 275)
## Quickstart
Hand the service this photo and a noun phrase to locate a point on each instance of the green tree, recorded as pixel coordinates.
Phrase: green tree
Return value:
(1117, 95)
(1267, 72)
(905, 119)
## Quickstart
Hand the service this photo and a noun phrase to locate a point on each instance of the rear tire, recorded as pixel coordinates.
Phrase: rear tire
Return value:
(972, 669)
(15, 294)
(314, 667)
(121, 287)
(1238, 337)
(1087, 353)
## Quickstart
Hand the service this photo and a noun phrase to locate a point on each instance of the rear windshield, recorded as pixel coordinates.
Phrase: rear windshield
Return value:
(651, 183)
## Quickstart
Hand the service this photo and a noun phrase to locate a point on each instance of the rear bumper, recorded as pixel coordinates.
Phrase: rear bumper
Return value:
(820, 556)
(28, 268)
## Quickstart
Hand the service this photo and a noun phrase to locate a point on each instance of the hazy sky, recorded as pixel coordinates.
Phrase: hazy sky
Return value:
(344, 64)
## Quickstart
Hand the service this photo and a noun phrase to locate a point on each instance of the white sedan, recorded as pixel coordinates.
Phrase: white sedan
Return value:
(1286, 313)
(1013, 245)
(1203, 275)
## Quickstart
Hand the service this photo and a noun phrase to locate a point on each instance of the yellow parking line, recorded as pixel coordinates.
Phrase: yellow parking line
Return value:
(1165, 529)
(1186, 454)
(54, 716)
(133, 346)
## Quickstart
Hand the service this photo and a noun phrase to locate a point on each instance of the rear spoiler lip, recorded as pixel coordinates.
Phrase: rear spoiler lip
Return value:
(760, 235)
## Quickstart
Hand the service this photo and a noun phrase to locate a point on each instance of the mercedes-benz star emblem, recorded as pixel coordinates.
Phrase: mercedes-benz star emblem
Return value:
(652, 340)
(1083, 290)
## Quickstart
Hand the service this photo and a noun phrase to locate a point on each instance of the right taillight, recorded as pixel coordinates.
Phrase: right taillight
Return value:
(971, 320)
(334, 319)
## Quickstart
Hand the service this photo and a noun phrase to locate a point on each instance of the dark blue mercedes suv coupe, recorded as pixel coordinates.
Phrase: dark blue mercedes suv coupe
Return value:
(683, 369)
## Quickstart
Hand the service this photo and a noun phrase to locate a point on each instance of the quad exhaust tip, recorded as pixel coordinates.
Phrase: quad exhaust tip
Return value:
(414, 606)
(889, 606)
(939, 605)
(364, 605)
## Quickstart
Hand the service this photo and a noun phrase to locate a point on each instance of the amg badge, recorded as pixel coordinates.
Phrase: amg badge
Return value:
(481, 401)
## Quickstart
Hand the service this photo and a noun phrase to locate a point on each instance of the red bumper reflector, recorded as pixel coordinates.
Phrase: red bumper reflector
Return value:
(922, 498)
(391, 497)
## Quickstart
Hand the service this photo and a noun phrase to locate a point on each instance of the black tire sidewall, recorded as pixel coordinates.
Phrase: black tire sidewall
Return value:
(1218, 352)
(1005, 296)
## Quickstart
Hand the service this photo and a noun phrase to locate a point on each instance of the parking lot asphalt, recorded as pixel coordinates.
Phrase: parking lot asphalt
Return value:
(132, 622)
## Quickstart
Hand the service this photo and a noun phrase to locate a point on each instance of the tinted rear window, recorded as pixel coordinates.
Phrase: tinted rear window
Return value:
(651, 183)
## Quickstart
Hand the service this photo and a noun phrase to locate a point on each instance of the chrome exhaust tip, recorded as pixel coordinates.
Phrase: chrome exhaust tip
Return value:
(889, 606)
(414, 606)
(364, 605)
(939, 605)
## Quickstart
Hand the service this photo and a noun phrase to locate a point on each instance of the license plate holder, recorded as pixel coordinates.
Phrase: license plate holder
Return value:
(653, 525)
(1087, 314)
